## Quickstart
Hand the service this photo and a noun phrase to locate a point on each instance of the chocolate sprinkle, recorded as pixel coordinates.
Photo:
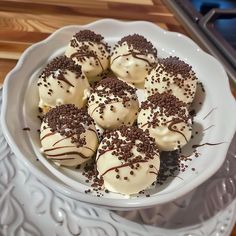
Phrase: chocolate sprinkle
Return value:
(61, 63)
(173, 71)
(168, 104)
(119, 89)
(88, 35)
(122, 148)
(140, 43)
(26, 129)
(69, 121)
(175, 66)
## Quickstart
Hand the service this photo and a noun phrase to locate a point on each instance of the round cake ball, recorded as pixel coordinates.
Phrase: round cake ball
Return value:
(62, 82)
(89, 50)
(127, 160)
(68, 135)
(172, 75)
(167, 120)
(113, 103)
(132, 57)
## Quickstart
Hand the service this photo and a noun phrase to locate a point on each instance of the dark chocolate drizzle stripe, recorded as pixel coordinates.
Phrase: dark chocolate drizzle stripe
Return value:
(78, 55)
(152, 172)
(56, 148)
(92, 130)
(61, 140)
(135, 55)
(209, 113)
(47, 135)
(174, 122)
(123, 165)
(209, 127)
(72, 136)
(61, 77)
(104, 153)
(68, 153)
(63, 159)
(204, 144)
(98, 106)
(89, 148)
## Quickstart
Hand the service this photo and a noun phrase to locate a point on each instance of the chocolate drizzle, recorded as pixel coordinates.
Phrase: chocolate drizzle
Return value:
(70, 122)
(84, 52)
(139, 43)
(121, 143)
(56, 148)
(166, 105)
(121, 166)
(138, 47)
(204, 144)
(47, 135)
(135, 55)
(174, 122)
(209, 113)
(57, 68)
(173, 71)
(85, 42)
(68, 153)
(120, 91)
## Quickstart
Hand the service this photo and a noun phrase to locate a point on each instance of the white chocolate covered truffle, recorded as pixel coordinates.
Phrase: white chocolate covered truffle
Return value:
(113, 103)
(127, 160)
(62, 82)
(167, 120)
(89, 50)
(68, 135)
(132, 57)
(172, 75)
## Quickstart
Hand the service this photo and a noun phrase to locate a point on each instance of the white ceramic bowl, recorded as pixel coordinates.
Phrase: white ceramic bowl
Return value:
(20, 99)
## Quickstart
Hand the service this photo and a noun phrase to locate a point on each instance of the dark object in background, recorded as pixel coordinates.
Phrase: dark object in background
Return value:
(213, 24)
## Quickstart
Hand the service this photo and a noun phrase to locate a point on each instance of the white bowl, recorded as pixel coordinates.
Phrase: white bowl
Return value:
(20, 99)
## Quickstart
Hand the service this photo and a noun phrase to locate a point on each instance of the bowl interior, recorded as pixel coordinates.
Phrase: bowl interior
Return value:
(208, 126)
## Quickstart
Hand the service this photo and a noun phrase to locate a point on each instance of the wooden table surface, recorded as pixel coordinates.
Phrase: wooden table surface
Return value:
(24, 22)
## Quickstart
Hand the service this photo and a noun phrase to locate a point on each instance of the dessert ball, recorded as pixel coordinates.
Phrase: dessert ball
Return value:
(167, 120)
(68, 135)
(132, 57)
(172, 75)
(62, 82)
(113, 103)
(127, 160)
(89, 50)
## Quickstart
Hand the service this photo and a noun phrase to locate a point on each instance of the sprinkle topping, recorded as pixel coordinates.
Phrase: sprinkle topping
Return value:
(175, 66)
(140, 43)
(120, 90)
(168, 103)
(168, 106)
(69, 121)
(61, 63)
(122, 141)
(88, 35)
(115, 86)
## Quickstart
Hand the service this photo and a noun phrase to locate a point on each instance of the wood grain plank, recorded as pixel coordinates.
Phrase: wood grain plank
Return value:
(5, 67)
(22, 36)
(39, 23)
(12, 50)
(38, 8)
(72, 3)
(136, 2)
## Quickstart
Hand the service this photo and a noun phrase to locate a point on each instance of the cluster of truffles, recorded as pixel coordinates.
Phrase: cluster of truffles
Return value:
(78, 99)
